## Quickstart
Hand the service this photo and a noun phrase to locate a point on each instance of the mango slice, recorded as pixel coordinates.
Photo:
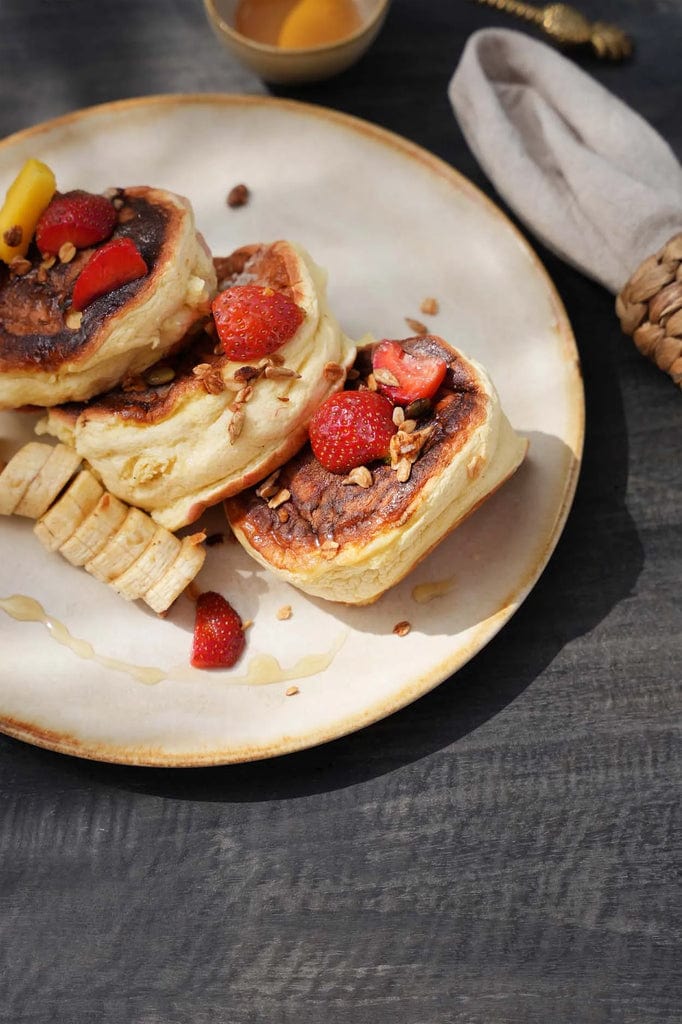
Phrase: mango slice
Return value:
(316, 22)
(27, 197)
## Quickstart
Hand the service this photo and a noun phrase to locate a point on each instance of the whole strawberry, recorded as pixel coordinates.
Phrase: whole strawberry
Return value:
(253, 321)
(218, 634)
(82, 218)
(351, 428)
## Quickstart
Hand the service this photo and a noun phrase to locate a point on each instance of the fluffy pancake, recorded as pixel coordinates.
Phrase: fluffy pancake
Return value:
(48, 357)
(348, 543)
(217, 425)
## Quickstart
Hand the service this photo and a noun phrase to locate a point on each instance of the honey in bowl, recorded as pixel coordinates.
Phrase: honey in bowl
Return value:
(297, 24)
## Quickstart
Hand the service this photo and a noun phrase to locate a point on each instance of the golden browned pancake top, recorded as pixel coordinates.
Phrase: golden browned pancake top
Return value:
(34, 306)
(322, 507)
(271, 266)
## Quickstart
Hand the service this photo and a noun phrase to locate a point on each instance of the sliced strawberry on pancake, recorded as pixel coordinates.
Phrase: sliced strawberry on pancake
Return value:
(82, 218)
(404, 376)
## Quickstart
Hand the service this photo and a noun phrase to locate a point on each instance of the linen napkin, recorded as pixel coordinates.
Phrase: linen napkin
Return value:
(590, 177)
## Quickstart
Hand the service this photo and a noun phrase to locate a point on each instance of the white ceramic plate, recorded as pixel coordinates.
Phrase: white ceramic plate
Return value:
(392, 224)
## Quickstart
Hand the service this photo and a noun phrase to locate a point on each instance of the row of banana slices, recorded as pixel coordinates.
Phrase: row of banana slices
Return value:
(115, 543)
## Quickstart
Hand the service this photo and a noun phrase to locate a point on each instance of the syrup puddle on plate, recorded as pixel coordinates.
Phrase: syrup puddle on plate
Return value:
(263, 669)
(425, 592)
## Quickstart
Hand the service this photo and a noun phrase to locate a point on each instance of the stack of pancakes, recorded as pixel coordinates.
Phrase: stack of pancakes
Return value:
(143, 392)
(214, 426)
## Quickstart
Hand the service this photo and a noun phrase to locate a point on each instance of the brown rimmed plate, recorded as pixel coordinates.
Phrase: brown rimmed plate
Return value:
(83, 672)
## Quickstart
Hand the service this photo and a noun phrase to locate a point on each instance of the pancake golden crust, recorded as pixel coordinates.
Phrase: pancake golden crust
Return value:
(350, 543)
(48, 356)
(137, 400)
(217, 425)
(275, 266)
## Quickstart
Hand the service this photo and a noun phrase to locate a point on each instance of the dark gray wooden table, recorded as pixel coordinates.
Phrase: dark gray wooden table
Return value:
(505, 850)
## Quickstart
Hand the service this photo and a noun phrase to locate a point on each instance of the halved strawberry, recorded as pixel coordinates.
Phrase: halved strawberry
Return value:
(81, 218)
(253, 321)
(351, 428)
(115, 263)
(416, 376)
(218, 634)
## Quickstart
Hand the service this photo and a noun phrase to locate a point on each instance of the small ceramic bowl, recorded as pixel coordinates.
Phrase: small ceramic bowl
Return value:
(314, 63)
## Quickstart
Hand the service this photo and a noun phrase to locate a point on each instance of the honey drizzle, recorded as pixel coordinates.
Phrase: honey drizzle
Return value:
(425, 592)
(27, 609)
(263, 669)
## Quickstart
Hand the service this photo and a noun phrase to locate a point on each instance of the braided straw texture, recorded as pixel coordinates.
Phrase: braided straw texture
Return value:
(650, 308)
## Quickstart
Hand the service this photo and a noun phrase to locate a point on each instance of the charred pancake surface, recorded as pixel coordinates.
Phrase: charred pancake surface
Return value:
(323, 508)
(138, 401)
(270, 265)
(34, 305)
(49, 354)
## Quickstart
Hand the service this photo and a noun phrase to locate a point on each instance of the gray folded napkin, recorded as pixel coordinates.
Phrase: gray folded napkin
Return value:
(585, 173)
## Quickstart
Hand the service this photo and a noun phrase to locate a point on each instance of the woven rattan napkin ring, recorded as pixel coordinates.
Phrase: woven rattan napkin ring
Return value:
(650, 308)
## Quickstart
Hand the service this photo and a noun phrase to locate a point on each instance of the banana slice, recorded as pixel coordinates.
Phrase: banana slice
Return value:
(63, 519)
(149, 567)
(183, 570)
(90, 527)
(95, 530)
(60, 466)
(19, 474)
(124, 548)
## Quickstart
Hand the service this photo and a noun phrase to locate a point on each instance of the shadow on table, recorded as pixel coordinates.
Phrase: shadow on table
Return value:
(595, 565)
